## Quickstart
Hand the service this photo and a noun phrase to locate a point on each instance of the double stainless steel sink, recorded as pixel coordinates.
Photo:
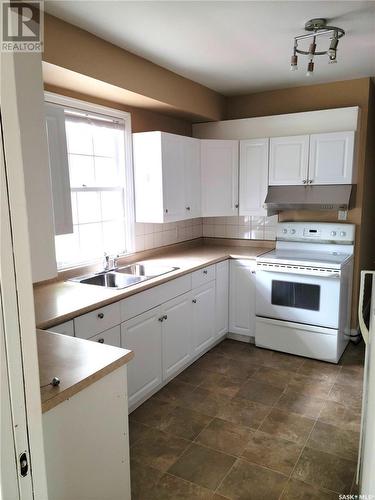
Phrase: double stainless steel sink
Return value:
(123, 277)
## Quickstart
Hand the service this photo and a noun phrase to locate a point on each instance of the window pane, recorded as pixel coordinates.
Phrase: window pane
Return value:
(79, 137)
(105, 141)
(74, 208)
(106, 172)
(91, 241)
(88, 205)
(114, 236)
(112, 205)
(67, 247)
(81, 169)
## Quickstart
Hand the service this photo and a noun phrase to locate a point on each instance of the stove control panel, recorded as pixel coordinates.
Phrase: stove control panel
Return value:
(322, 232)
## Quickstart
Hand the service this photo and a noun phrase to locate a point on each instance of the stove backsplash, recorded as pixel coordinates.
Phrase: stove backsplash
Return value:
(242, 227)
(149, 236)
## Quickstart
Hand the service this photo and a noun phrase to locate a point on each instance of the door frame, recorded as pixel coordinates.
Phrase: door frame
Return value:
(18, 328)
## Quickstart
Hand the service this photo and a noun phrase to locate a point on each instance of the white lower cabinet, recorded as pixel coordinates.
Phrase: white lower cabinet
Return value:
(222, 298)
(109, 337)
(242, 297)
(66, 328)
(203, 311)
(142, 335)
(176, 334)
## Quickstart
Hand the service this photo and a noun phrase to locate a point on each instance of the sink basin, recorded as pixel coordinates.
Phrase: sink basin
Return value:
(110, 280)
(146, 269)
(125, 276)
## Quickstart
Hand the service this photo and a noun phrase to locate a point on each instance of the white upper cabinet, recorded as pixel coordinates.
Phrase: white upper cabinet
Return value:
(289, 159)
(59, 168)
(219, 167)
(331, 158)
(166, 177)
(253, 176)
(192, 177)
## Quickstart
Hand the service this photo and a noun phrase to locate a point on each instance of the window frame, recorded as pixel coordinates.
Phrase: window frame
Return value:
(84, 106)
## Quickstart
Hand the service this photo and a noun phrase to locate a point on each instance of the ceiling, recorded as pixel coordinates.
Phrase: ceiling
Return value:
(231, 47)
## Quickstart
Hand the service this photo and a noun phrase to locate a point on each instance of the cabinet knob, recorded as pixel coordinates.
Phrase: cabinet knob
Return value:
(304, 181)
(166, 210)
(311, 181)
(187, 208)
(236, 205)
(101, 315)
(205, 271)
(101, 341)
(194, 301)
(161, 319)
(165, 316)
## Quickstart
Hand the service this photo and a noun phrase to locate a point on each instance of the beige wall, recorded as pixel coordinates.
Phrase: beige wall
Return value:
(327, 96)
(74, 49)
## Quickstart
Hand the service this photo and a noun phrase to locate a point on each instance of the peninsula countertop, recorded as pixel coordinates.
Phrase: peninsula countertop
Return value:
(61, 301)
(76, 362)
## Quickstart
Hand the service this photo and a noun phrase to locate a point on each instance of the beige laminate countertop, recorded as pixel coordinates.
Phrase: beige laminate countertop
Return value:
(63, 300)
(77, 363)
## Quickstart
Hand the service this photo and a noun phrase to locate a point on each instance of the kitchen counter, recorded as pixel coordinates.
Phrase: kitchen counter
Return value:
(61, 301)
(77, 363)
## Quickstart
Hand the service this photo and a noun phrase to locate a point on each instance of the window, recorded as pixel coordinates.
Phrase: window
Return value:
(100, 185)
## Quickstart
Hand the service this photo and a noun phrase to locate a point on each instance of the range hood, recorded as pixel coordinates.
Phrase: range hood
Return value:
(328, 197)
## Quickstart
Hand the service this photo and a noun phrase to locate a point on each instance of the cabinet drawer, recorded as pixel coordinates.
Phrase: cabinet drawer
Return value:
(202, 276)
(143, 301)
(66, 328)
(109, 337)
(88, 325)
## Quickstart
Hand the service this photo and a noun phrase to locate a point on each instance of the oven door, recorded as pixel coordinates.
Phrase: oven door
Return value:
(300, 298)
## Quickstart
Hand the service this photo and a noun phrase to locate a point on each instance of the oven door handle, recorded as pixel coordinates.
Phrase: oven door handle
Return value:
(304, 273)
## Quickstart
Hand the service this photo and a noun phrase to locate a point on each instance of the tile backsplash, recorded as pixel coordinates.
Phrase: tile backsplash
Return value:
(149, 235)
(243, 227)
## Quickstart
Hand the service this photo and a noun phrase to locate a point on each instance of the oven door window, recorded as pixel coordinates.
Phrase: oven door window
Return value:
(297, 295)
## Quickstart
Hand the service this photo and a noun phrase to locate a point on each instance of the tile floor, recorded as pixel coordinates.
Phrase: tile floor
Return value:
(248, 423)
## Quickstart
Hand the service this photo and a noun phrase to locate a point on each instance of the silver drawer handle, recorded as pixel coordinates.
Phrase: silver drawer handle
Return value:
(187, 208)
(205, 271)
(101, 341)
(194, 301)
(101, 315)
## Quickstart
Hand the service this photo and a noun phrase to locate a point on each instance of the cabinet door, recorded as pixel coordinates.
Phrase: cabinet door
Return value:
(242, 297)
(192, 175)
(219, 173)
(176, 328)
(59, 168)
(203, 310)
(253, 176)
(289, 157)
(173, 177)
(331, 158)
(142, 335)
(222, 298)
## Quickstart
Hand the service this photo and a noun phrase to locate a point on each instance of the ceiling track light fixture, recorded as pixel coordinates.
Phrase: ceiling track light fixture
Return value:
(318, 28)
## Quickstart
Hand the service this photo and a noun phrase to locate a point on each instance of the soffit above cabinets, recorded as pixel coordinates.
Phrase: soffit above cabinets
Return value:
(310, 122)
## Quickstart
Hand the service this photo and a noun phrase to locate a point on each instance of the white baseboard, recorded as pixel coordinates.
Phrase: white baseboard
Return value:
(241, 338)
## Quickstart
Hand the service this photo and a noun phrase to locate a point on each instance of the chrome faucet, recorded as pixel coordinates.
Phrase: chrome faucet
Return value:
(110, 262)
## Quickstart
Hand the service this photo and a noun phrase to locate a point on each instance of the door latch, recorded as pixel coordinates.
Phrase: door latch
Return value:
(24, 464)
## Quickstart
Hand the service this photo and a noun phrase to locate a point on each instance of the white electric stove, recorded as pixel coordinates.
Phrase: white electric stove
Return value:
(304, 290)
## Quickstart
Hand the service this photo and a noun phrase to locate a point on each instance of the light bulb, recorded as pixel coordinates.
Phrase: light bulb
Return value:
(310, 68)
